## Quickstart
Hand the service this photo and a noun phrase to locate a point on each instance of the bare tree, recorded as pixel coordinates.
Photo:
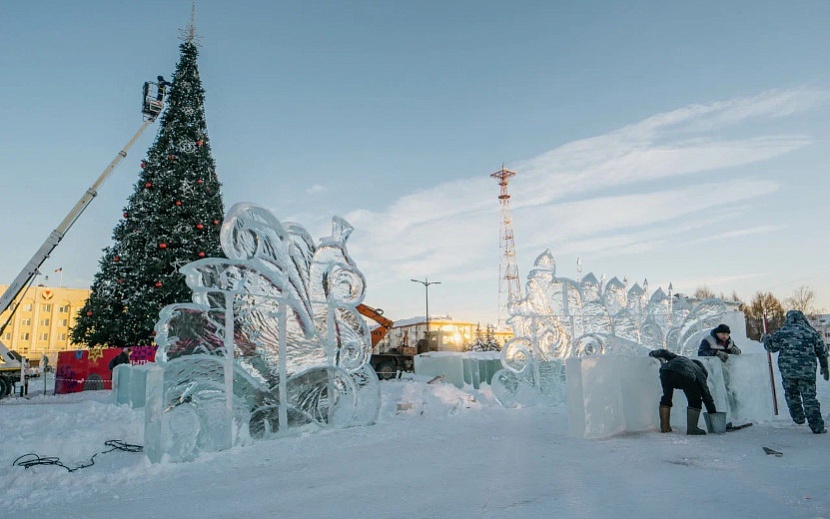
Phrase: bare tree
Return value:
(802, 299)
(703, 292)
(762, 304)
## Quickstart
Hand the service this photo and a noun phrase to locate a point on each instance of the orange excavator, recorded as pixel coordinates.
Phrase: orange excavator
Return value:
(387, 364)
(384, 324)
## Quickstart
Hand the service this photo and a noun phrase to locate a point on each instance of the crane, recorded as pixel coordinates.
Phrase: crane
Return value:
(154, 95)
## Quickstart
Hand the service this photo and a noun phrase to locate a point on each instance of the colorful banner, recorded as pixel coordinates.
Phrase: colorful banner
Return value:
(82, 370)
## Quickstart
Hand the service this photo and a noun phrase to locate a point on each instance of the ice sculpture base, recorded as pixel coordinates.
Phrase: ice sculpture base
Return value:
(459, 368)
(609, 395)
(129, 384)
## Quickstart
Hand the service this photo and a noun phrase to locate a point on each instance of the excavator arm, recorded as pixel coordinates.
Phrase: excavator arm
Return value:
(376, 314)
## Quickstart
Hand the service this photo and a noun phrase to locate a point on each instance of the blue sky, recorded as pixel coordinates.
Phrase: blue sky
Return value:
(683, 142)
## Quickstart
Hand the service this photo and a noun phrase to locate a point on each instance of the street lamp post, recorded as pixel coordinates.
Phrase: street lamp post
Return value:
(426, 282)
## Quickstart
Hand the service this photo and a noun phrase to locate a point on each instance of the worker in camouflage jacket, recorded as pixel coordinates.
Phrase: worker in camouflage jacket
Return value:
(799, 347)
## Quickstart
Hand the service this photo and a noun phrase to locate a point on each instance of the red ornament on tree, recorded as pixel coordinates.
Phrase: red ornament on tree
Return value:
(116, 258)
(143, 164)
(120, 281)
(201, 254)
(215, 222)
(126, 215)
(178, 202)
(89, 313)
(148, 185)
(199, 143)
(171, 157)
(162, 245)
(199, 181)
(200, 226)
(158, 284)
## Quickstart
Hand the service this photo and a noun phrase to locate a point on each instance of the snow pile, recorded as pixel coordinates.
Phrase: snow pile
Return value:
(436, 451)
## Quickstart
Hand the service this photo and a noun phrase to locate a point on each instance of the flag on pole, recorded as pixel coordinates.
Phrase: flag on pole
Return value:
(59, 269)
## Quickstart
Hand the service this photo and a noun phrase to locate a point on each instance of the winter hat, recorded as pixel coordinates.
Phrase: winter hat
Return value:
(722, 328)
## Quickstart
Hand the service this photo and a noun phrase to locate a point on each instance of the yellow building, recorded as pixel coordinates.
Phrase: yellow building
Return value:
(41, 324)
(445, 334)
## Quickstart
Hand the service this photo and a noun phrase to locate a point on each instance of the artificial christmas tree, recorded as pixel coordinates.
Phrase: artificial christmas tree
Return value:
(165, 223)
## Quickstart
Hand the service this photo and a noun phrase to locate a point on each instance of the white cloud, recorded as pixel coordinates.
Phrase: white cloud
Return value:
(680, 142)
(316, 188)
(751, 231)
(567, 197)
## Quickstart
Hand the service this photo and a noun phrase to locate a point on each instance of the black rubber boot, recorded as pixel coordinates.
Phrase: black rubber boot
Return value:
(692, 416)
(665, 419)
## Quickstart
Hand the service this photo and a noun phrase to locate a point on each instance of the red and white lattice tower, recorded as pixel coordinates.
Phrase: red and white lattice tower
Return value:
(508, 271)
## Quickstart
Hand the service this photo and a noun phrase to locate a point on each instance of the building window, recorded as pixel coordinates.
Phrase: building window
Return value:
(25, 322)
(27, 307)
(43, 337)
(62, 337)
(64, 322)
(8, 336)
(46, 307)
(64, 309)
(44, 322)
(24, 336)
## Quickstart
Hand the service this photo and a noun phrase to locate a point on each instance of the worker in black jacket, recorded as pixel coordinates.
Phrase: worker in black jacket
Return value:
(121, 358)
(678, 372)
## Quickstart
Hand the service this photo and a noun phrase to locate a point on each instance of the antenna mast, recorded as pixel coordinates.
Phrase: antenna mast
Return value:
(508, 271)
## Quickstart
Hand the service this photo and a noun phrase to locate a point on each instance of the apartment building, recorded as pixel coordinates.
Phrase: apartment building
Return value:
(40, 325)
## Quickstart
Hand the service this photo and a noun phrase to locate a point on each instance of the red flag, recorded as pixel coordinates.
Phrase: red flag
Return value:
(59, 269)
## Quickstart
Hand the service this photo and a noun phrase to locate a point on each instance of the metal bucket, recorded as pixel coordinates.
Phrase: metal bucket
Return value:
(715, 422)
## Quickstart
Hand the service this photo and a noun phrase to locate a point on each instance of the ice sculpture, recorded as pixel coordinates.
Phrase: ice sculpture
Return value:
(271, 342)
(560, 318)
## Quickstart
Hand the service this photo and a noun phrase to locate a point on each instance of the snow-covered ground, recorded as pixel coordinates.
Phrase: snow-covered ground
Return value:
(452, 453)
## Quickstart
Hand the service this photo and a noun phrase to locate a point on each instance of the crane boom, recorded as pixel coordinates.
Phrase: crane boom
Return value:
(57, 235)
(29, 271)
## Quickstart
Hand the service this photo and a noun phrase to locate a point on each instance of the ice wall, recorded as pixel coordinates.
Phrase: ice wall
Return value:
(129, 384)
(271, 343)
(561, 318)
(610, 395)
(459, 368)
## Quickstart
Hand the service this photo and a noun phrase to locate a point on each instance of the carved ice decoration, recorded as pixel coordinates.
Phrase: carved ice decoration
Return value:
(561, 318)
(272, 341)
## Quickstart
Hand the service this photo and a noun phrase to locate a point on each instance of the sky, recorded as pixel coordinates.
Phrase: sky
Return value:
(682, 143)
(448, 453)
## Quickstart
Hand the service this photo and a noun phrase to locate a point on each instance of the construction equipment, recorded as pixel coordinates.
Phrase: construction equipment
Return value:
(389, 363)
(13, 364)
(384, 324)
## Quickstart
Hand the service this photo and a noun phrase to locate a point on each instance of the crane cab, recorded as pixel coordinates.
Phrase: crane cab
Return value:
(153, 99)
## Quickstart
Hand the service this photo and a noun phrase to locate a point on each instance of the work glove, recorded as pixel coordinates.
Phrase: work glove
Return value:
(722, 355)
(734, 350)
(825, 373)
